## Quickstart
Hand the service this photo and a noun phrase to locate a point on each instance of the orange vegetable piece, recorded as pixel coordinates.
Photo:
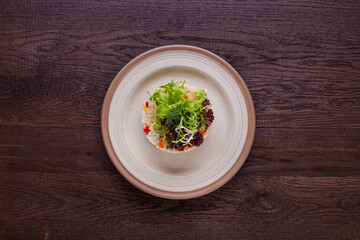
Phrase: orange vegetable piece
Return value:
(203, 132)
(161, 143)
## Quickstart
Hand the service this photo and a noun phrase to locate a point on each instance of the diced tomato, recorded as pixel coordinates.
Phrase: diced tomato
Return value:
(146, 129)
(185, 96)
(181, 149)
(203, 132)
(192, 142)
(161, 143)
(147, 104)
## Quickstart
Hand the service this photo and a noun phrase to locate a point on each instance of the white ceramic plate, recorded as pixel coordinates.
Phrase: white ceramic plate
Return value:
(190, 174)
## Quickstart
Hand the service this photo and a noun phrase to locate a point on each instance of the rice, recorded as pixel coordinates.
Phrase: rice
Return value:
(190, 91)
(148, 116)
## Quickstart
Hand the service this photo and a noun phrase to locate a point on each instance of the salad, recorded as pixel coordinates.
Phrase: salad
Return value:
(177, 116)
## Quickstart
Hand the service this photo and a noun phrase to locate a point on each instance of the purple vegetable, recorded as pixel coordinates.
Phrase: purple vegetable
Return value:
(199, 139)
(209, 117)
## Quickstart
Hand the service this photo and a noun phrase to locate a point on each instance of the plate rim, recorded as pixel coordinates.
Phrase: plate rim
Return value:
(172, 194)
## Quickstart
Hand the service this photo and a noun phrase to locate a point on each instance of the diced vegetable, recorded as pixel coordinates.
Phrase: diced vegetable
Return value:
(146, 129)
(203, 132)
(161, 143)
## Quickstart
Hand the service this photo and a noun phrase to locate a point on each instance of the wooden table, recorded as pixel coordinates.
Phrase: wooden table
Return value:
(299, 59)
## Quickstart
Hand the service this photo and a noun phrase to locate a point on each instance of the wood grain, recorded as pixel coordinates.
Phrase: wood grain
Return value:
(177, 229)
(246, 202)
(58, 72)
(299, 59)
(275, 152)
(91, 196)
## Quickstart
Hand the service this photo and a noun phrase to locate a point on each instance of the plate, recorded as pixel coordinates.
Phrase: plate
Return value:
(191, 174)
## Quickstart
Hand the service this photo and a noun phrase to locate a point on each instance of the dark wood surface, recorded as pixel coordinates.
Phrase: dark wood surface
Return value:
(299, 59)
